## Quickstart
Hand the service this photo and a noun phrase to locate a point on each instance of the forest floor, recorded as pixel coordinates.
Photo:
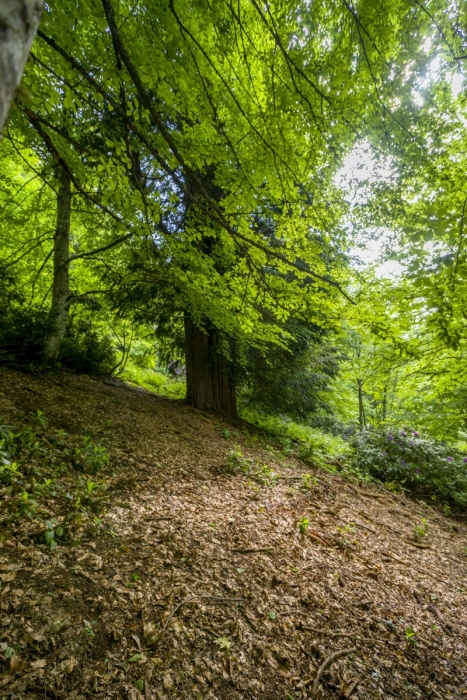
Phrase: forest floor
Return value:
(196, 582)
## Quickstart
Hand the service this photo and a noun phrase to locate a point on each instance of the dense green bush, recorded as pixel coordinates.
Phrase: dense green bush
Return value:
(329, 424)
(426, 467)
(22, 333)
(85, 351)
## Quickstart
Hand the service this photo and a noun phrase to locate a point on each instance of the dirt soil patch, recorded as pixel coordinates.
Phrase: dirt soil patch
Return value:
(199, 583)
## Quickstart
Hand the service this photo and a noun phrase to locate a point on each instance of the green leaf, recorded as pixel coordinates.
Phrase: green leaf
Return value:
(224, 643)
(135, 657)
(272, 615)
(49, 536)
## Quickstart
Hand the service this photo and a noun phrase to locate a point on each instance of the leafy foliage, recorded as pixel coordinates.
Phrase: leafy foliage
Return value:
(425, 467)
(22, 333)
(292, 380)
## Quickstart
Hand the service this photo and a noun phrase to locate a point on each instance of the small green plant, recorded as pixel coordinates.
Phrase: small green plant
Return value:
(53, 531)
(309, 482)
(235, 461)
(23, 506)
(88, 627)
(86, 494)
(303, 525)
(41, 420)
(346, 529)
(410, 636)
(9, 471)
(266, 475)
(224, 643)
(421, 530)
(47, 487)
(90, 458)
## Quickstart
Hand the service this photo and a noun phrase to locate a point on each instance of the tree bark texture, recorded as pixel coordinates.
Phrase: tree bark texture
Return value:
(19, 22)
(210, 383)
(61, 282)
(361, 408)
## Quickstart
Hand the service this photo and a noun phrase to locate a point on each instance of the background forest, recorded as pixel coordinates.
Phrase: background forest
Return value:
(258, 208)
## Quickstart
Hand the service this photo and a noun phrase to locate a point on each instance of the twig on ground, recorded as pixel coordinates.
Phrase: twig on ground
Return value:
(368, 494)
(375, 522)
(350, 690)
(418, 545)
(318, 538)
(437, 613)
(365, 527)
(327, 663)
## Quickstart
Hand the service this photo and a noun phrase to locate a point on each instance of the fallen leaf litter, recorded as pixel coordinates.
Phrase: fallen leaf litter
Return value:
(197, 583)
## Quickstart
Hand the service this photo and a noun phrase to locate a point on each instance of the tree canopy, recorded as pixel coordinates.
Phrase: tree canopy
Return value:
(205, 146)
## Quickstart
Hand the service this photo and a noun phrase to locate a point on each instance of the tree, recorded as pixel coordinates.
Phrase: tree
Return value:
(19, 21)
(266, 99)
(61, 297)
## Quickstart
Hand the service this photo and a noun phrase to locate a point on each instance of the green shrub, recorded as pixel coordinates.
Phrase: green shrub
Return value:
(425, 467)
(22, 335)
(310, 444)
(85, 351)
(90, 458)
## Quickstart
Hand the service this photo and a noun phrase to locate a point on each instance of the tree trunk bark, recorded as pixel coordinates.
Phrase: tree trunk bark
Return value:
(61, 283)
(19, 22)
(210, 382)
(361, 408)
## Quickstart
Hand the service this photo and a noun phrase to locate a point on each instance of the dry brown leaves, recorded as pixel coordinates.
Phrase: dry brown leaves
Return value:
(198, 584)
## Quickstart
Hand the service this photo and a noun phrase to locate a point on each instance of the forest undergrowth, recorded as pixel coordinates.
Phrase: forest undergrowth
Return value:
(149, 550)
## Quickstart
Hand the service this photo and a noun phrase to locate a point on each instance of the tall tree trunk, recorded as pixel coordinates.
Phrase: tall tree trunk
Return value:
(361, 408)
(385, 401)
(19, 22)
(61, 283)
(210, 383)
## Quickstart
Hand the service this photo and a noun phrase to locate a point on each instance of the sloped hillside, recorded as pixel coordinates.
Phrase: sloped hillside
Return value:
(214, 566)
